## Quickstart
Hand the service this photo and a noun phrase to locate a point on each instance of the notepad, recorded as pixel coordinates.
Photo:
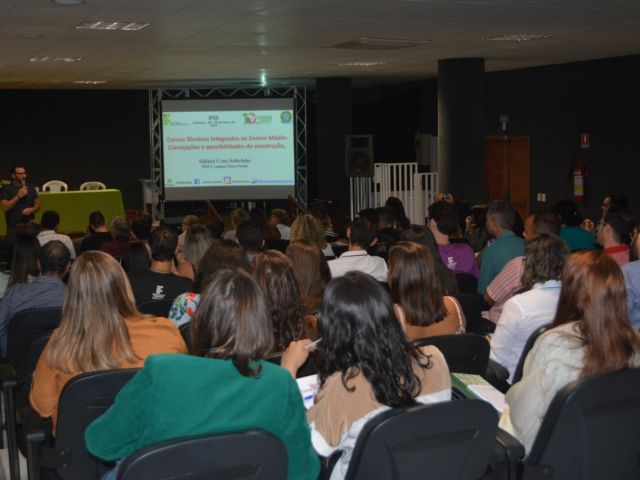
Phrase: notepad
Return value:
(475, 386)
(308, 388)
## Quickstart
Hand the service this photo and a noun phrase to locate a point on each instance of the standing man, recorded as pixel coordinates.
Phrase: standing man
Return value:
(19, 200)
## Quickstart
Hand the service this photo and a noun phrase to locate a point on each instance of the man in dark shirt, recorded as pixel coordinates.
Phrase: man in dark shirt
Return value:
(19, 200)
(98, 233)
(159, 283)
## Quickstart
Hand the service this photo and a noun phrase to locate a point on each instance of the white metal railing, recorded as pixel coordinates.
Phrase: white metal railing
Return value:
(402, 180)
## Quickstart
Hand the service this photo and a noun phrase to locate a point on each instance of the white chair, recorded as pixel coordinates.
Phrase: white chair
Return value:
(55, 186)
(93, 186)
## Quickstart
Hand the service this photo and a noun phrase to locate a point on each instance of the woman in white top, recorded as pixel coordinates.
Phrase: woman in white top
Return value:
(365, 364)
(307, 227)
(420, 301)
(590, 334)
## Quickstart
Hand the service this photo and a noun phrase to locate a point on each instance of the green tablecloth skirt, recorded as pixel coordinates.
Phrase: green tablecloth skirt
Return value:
(74, 208)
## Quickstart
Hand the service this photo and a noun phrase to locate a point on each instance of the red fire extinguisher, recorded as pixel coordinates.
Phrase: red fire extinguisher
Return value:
(579, 176)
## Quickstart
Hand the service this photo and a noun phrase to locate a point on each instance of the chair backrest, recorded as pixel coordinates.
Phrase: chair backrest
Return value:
(591, 430)
(93, 186)
(185, 331)
(249, 454)
(447, 440)
(472, 310)
(465, 353)
(467, 283)
(83, 399)
(158, 308)
(517, 374)
(55, 186)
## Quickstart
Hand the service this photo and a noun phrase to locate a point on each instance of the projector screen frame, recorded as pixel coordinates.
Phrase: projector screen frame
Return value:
(156, 96)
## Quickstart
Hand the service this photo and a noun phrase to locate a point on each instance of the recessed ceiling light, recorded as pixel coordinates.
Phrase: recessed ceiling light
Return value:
(46, 58)
(517, 37)
(362, 64)
(107, 25)
(89, 82)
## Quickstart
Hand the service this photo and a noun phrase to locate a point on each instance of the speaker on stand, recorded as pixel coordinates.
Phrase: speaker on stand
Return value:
(358, 160)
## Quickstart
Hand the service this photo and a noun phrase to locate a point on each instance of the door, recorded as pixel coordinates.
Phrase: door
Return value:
(506, 167)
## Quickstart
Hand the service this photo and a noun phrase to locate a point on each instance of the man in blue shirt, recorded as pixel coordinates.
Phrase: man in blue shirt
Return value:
(500, 219)
(46, 290)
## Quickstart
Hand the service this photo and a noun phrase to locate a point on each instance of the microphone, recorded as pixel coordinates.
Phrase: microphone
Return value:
(24, 183)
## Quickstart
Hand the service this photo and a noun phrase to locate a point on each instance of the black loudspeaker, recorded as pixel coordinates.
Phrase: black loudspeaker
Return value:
(358, 155)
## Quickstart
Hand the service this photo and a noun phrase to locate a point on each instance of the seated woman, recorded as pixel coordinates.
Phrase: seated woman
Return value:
(365, 364)
(197, 241)
(590, 334)
(420, 301)
(135, 258)
(101, 329)
(307, 227)
(312, 271)
(222, 388)
(222, 254)
(273, 272)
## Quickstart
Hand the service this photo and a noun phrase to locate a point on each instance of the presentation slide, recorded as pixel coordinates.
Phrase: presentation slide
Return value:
(228, 149)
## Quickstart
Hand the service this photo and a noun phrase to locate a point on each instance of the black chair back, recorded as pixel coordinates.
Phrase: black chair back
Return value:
(590, 431)
(517, 374)
(83, 399)
(472, 310)
(250, 454)
(467, 283)
(185, 331)
(447, 440)
(157, 308)
(465, 353)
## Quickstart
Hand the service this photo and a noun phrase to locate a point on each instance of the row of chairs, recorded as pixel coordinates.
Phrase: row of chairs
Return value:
(60, 186)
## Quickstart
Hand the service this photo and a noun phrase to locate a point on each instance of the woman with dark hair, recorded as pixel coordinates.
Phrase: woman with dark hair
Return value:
(274, 273)
(476, 227)
(260, 217)
(224, 386)
(421, 304)
(423, 236)
(24, 263)
(590, 335)
(197, 241)
(222, 254)
(397, 208)
(312, 271)
(135, 258)
(571, 232)
(365, 364)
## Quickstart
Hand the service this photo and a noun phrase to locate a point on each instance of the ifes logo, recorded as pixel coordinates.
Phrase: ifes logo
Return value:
(286, 116)
(252, 119)
(249, 118)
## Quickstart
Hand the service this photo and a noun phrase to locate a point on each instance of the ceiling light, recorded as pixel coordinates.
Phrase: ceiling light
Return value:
(106, 25)
(46, 58)
(517, 37)
(89, 82)
(362, 64)
(373, 43)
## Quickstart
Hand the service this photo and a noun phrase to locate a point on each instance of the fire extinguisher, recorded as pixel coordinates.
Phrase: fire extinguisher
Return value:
(579, 176)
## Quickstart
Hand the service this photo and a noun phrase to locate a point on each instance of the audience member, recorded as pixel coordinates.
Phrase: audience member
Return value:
(216, 227)
(536, 303)
(46, 290)
(319, 210)
(24, 261)
(121, 236)
(49, 223)
(420, 302)
(187, 221)
(135, 258)
(500, 219)
(361, 235)
(341, 245)
(274, 273)
(159, 283)
(250, 237)
(386, 231)
(508, 281)
(19, 201)
(423, 236)
(197, 241)
(614, 202)
(101, 329)
(237, 217)
(476, 229)
(312, 271)
(400, 219)
(223, 254)
(141, 229)
(614, 234)
(307, 227)
(97, 234)
(365, 365)
(571, 232)
(280, 219)
(223, 387)
(443, 223)
(631, 272)
(259, 216)
(590, 335)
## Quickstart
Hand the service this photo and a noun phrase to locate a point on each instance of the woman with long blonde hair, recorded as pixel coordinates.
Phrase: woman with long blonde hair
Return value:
(101, 329)
(307, 227)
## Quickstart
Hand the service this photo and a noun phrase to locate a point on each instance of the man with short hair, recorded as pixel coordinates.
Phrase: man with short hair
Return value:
(508, 281)
(280, 219)
(631, 272)
(120, 237)
(19, 201)
(250, 236)
(500, 219)
(614, 234)
(49, 222)
(361, 235)
(98, 233)
(46, 290)
(159, 283)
